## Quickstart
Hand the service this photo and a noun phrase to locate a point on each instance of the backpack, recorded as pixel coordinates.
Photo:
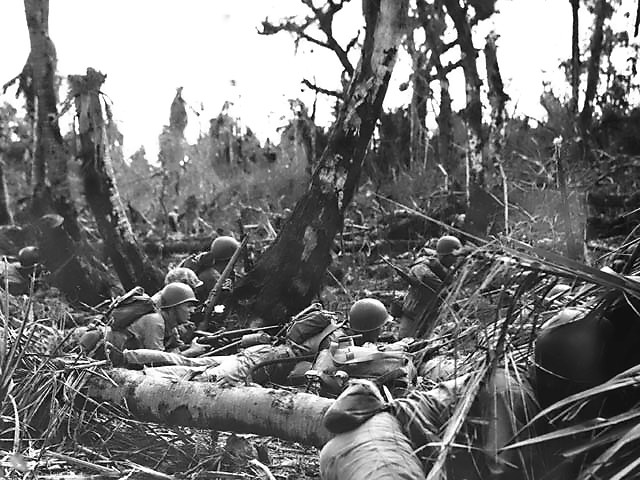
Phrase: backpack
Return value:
(127, 308)
(310, 327)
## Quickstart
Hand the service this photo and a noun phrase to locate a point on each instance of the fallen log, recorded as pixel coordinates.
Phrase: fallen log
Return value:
(157, 247)
(294, 417)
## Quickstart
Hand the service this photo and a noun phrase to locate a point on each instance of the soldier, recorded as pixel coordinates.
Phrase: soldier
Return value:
(186, 331)
(367, 317)
(423, 298)
(209, 265)
(155, 331)
(18, 274)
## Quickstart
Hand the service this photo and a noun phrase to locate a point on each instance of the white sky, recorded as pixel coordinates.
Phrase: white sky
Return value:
(147, 48)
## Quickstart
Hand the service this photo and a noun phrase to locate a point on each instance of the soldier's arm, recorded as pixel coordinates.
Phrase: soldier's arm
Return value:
(150, 332)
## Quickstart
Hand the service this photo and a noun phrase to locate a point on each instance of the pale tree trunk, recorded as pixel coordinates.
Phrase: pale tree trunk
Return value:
(294, 417)
(418, 109)
(100, 189)
(602, 11)
(289, 274)
(51, 183)
(6, 217)
(445, 128)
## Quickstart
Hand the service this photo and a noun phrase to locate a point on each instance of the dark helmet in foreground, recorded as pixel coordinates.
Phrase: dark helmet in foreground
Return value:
(368, 314)
(176, 293)
(223, 248)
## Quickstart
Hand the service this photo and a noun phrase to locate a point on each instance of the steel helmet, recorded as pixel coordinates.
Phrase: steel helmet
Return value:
(223, 248)
(565, 316)
(183, 275)
(29, 256)
(368, 314)
(176, 293)
(447, 245)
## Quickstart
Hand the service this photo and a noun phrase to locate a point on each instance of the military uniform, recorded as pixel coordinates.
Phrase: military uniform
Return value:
(422, 299)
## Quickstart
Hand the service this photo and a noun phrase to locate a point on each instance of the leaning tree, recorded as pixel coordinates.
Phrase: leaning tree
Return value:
(289, 274)
(100, 188)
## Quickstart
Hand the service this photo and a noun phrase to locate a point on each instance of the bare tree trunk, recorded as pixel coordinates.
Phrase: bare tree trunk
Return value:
(289, 274)
(602, 11)
(295, 417)
(51, 193)
(6, 217)
(100, 189)
(575, 55)
(481, 207)
(445, 127)
(497, 99)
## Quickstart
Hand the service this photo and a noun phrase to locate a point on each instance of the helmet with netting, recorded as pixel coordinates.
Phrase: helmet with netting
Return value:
(183, 275)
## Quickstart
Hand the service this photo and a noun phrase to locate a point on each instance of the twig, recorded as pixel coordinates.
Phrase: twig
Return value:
(150, 471)
(344, 290)
(111, 472)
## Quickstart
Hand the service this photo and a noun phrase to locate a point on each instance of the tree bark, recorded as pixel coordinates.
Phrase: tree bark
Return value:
(602, 11)
(100, 189)
(418, 108)
(481, 209)
(575, 55)
(433, 22)
(289, 274)
(70, 264)
(295, 417)
(51, 183)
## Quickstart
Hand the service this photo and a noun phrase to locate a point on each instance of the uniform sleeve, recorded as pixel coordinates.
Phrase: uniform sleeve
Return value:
(149, 330)
(425, 274)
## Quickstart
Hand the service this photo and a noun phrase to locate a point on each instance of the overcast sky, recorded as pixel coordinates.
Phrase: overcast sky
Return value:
(147, 48)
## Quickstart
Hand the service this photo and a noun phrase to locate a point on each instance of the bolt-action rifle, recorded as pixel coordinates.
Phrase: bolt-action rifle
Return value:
(214, 294)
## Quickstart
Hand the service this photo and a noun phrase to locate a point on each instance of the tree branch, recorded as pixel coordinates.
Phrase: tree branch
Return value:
(323, 16)
(316, 88)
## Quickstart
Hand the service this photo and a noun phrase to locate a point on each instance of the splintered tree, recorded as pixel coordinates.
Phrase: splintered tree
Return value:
(100, 188)
(38, 82)
(173, 148)
(289, 274)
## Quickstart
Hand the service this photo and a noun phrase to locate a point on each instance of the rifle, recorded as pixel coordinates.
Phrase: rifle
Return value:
(214, 294)
(412, 280)
(213, 338)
